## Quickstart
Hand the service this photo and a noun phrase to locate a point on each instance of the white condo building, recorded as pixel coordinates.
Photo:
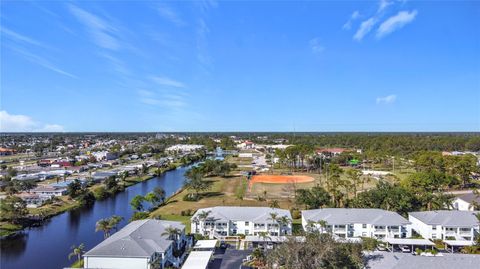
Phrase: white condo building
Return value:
(356, 222)
(142, 244)
(220, 221)
(445, 225)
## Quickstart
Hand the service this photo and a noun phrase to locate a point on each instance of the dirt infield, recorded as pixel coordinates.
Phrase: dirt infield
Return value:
(279, 179)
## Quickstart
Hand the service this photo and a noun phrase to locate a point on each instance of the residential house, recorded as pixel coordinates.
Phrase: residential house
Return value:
(220, 221)
(356, 222)
(468, 202)
(49, 191)
(33, 200)
(142, 244)
(446, 225)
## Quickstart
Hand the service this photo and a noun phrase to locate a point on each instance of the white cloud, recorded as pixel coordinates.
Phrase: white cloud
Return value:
(23, 123)
(396, 22)
(387, 99)
(316, 46)
(169, 14)
(100, 30)
(165, 81)
(365, 28)
(383, 4)
(355, 15)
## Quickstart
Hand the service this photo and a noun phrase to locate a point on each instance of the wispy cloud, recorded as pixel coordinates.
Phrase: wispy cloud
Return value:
(365, 27)
(395, 22)
(20, 38)
(165, 81)
(101, 31)
(42, 62)
(348, 25)
(316, 45)
(383, 4)
(387, 99)
(170, 15)
(169, 101)
(23, 123)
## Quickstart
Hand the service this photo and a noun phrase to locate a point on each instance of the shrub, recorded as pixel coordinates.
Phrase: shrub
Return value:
(139, 215)
(296, 214)
(100, 193)
(418, 251)
(190, 197)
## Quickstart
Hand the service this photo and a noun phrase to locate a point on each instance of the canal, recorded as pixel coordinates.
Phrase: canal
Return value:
(48, 246)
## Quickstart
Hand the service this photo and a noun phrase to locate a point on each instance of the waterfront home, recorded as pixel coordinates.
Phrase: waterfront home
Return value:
(49, 191)
(467, 202)
(220, 221)
(356, 222)
(101, 176)
(142, 244)
(446, 225)
(33, 200)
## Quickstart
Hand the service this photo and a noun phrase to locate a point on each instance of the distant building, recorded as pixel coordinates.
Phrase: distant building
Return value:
(105, 155)
(184, 148)
(446, 225)
(6, 152)
(356, 222)
(49, 191)
(467, 202)
(331, 151)
(232, 220)
(33, 200)
(142, 244)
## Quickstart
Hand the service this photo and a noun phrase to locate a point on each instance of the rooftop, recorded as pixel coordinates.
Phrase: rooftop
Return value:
(355, 215)
(255, 214)
(453, 218)
(139, 238)
(395, 260)
(470, 197)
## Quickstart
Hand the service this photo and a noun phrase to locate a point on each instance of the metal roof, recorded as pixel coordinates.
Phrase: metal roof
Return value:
(453, 218)
(139, 238)
(409, 241)
(336, 216)
(197, 260)
(205, 244)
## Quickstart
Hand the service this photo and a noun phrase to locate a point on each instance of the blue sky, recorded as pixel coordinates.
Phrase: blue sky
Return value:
(240, 66)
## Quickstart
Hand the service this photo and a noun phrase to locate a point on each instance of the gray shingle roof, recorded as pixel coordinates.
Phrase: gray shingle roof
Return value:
(470, 197)
(454, 218)
(243, 213)
(389, 260)
(139, 238)
(355, 215)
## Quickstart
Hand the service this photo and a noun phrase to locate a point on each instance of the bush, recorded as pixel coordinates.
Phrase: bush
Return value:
(86, 199)
(187, 212)
(418, 251)
(100, 193)
(190, 197)
(296, 214)
(139, 215)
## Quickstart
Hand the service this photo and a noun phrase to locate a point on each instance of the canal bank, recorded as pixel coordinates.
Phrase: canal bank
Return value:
(48, 246)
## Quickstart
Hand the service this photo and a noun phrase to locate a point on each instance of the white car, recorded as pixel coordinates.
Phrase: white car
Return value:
(405, 249)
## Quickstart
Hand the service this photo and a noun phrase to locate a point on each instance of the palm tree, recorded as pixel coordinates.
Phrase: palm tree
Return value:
(264, 236)
(273, 217)
(323, 224)
(274, 204)
(105, 226)
(283, 221)
(202, 216)
(123, 176)
(76, 251)
(114, 221)
(172, 232)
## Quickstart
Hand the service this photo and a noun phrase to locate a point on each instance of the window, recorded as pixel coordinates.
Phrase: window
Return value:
(364, 226)
(247, 223)
(434, 227)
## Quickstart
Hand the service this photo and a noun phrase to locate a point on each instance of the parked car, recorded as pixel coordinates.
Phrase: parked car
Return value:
(382, 247)
(405, 249)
